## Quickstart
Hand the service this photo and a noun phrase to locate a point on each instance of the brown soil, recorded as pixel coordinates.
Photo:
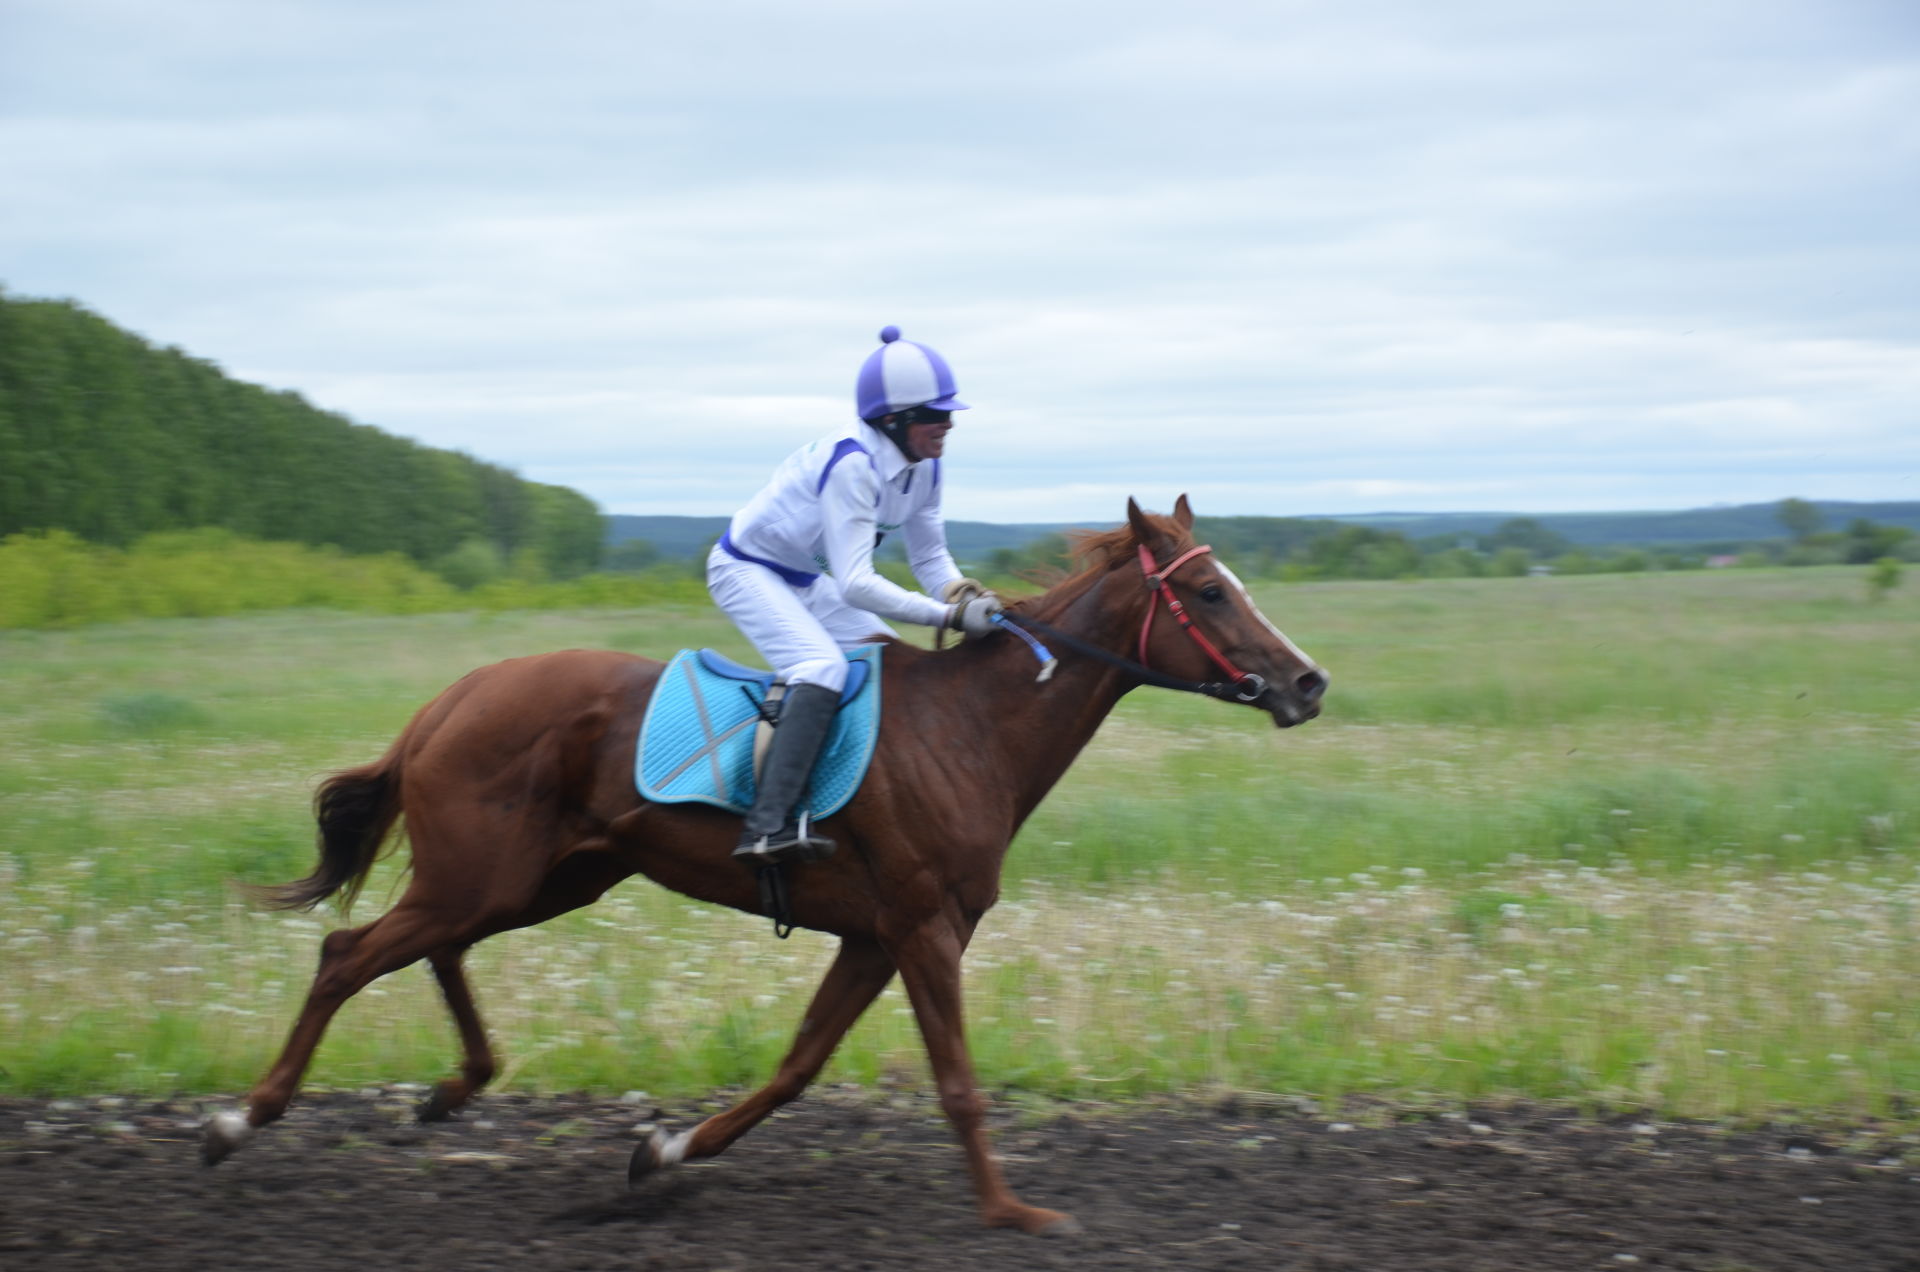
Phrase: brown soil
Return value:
(846, 1181)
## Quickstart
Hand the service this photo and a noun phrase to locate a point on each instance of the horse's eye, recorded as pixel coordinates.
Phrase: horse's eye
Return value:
(1212, 593)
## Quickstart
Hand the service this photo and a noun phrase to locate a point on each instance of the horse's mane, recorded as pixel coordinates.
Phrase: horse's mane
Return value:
(1096, 553)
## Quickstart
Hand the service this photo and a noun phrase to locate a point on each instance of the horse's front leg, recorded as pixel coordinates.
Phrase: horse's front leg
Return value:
(859, 972)
(929, 962)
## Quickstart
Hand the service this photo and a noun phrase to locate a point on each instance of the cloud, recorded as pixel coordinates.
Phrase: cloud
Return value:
(1291, 258)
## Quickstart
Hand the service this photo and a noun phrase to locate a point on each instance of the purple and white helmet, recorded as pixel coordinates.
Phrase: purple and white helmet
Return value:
(902, 374)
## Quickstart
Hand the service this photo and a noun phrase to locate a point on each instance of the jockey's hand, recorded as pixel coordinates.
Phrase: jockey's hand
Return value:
(962, 590)
(975, 616)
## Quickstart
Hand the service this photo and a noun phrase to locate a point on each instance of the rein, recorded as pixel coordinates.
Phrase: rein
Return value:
(1244, 686)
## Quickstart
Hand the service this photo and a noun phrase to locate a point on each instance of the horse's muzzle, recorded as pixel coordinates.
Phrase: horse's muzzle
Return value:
(1296, 702)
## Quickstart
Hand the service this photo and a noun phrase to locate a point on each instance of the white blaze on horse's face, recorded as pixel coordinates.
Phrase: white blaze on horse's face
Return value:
(1294, 691)
(1266, 622)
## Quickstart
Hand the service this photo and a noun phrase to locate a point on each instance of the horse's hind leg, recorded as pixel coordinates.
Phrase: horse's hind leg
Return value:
(578, 880)
(350, 960)
(859, 972)
(476, 1065)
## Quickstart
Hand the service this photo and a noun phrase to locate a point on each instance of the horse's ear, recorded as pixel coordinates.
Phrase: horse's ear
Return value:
(1183, 513)
(1143, 531)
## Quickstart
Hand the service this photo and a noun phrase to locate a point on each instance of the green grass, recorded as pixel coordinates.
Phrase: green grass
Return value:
(1529, 805)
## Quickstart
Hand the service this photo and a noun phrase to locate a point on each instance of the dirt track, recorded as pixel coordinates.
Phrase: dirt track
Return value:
(851, 1182)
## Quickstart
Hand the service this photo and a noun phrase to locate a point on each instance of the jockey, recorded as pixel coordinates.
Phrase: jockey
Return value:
(795, 569)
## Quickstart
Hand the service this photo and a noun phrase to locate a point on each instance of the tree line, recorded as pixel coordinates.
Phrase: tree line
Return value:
(110, 438)
(1299, 548)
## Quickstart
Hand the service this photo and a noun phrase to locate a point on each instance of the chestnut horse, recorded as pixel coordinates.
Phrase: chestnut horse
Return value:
(517, 787)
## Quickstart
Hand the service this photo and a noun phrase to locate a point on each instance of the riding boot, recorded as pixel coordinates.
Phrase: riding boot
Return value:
(772, 834)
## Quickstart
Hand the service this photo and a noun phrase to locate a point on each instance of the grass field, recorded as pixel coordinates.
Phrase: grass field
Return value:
(1636, 839)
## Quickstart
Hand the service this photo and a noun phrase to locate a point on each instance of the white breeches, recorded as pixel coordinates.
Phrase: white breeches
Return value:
(802, 632)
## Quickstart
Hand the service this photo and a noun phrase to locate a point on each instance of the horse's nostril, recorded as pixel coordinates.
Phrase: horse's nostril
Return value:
(1311, 684)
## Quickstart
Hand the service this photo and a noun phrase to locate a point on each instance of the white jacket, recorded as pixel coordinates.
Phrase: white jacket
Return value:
(827, 507)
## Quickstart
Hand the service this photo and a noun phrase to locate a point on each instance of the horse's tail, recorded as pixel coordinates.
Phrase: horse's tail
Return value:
(356, 809)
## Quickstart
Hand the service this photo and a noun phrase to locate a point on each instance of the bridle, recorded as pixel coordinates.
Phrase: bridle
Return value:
(1247, 685)
(1240, 686)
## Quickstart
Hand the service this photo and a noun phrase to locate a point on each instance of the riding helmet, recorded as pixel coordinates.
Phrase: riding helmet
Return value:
(902, 374)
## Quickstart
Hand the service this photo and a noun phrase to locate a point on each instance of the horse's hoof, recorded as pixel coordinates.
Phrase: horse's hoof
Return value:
(223, 1133)
(657, 1152)
(1060, 1226)
(642, 1163)
(439, 1105)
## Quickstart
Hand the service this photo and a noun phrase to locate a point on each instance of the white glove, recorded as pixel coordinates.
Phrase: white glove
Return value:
(975, 617)
(961, 590)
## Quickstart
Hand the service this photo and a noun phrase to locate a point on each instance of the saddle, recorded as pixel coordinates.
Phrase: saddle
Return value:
(697, 740)
(858, 669)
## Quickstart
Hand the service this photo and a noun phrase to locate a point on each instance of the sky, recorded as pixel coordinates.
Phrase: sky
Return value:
(1294, 259)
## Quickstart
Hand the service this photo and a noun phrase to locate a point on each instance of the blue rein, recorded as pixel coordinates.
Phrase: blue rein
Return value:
(1047, 661)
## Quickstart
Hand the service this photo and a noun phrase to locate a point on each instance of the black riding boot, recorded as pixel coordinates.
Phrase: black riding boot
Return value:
(771, 834)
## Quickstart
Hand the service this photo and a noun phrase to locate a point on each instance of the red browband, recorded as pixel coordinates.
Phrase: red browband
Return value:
(1157, 583)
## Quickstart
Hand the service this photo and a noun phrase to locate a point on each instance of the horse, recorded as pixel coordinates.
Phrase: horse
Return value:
(517, 787)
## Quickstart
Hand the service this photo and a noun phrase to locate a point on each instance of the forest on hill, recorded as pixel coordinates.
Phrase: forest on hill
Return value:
(107, 437)
(1390, 545)
(1717, 528)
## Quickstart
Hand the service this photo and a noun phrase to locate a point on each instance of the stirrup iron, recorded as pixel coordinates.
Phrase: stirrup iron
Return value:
(795, 841)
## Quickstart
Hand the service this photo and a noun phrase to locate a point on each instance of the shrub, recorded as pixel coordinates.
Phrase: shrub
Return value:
(54, 579)
(473, 563)
(1510, 563)
(1882, 578)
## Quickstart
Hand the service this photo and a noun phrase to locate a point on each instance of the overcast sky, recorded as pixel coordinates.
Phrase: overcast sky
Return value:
(1294, 258)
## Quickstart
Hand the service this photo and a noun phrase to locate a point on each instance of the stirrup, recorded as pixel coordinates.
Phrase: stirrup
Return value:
(793, 842)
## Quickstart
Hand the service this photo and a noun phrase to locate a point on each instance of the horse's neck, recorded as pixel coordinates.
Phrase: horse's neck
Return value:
(1035, 731)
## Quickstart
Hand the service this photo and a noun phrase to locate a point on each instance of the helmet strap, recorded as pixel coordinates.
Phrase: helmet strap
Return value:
(895, 425)
(894, 428)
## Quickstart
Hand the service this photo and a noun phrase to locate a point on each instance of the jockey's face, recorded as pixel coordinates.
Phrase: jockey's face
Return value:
(928, 438)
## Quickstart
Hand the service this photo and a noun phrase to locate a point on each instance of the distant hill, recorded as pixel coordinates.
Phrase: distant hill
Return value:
(1734, 523)
(974, 540)
(677, 537)
(674, 537)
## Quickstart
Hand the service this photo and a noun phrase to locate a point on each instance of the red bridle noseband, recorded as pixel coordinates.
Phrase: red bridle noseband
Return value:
(1247, 685)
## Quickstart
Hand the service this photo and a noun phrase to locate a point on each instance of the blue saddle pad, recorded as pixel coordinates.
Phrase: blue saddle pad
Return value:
(696, 743)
